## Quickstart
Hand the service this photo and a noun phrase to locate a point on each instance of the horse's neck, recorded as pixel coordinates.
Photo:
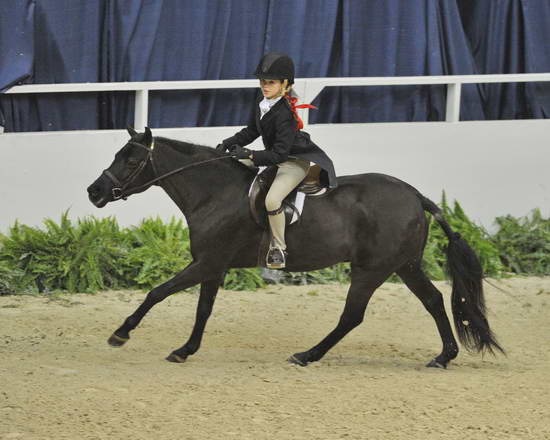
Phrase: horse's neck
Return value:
(205, 187)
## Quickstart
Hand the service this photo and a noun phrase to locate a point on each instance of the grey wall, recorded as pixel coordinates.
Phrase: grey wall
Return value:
(492, 168)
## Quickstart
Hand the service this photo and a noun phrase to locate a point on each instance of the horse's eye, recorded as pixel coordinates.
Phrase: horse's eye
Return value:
(133, 163)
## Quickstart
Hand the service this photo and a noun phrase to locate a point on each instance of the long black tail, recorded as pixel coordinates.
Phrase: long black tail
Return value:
(467, 298)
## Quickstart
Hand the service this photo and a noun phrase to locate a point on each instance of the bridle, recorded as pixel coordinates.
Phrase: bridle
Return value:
(121, 190)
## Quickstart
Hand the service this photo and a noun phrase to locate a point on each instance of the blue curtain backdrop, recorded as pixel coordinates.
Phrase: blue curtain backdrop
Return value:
(392, 38)
(58, 41)
(67, 39)
(16, 42)
(190, 40)
(16, 55)
(510, 36)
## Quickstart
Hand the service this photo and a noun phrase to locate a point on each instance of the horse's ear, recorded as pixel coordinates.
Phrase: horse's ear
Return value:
(131, 131)
(148, 137)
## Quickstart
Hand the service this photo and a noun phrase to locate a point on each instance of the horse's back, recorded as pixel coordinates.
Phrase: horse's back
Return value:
(380, 213)
(376, 191)
(371, 179)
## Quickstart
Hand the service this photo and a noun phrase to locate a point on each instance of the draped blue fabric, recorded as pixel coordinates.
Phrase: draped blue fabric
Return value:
(312, 36)
(389, 38)
(511, 36)
(67, 48)
(16, 42)
(191, 40)
(16, 47)
(59, 41)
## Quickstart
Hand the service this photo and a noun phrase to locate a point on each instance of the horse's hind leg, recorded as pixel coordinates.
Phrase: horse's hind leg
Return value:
(363, 285)
(416, 280)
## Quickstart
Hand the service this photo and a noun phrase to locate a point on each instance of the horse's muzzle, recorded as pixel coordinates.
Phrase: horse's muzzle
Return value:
(97, 195)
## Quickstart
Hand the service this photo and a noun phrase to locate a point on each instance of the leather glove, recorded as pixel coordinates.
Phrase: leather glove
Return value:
(241, 153)
(233, 147)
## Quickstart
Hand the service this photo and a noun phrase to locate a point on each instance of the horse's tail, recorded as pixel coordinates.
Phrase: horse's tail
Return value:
(468, 303)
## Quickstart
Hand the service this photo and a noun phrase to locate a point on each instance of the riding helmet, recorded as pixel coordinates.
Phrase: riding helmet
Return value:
(276, 65)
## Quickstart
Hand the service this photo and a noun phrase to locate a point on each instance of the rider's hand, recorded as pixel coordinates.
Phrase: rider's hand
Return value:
(241, 153)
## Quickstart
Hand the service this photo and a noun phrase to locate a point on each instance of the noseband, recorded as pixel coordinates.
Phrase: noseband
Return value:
(121, 191)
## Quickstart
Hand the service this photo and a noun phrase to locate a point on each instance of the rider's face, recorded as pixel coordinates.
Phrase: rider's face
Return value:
(271, 88)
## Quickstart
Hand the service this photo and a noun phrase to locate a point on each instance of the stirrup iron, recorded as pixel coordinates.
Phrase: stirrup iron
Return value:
(275, 258)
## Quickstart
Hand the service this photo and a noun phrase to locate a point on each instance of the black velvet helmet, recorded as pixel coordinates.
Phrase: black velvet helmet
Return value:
(276, 65)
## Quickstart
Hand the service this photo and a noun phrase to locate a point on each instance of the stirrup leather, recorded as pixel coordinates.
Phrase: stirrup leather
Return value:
(276, 211)
(293, 203)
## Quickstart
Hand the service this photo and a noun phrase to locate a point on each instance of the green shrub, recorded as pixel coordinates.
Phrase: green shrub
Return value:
(96, 254)
(243, 279)
(476, 236)
(156, 252)
(339, 273)
(78, 258)
(434, 258)
(10, 280)
(524, 243)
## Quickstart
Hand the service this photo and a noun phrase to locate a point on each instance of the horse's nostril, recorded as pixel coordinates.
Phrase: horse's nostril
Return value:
(93, 190)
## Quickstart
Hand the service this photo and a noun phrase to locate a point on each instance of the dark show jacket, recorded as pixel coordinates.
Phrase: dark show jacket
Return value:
(282, 141)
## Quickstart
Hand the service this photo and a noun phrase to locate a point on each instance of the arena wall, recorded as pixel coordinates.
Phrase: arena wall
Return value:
(493, 168)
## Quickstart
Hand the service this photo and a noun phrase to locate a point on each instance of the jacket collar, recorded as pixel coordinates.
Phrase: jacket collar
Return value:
(269, 115)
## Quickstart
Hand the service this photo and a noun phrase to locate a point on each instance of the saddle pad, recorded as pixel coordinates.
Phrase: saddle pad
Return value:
(299, 205)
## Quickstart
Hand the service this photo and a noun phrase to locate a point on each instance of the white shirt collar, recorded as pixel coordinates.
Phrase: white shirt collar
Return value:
(266, 104)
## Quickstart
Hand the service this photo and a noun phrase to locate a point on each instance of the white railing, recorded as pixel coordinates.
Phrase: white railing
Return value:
(307, 88)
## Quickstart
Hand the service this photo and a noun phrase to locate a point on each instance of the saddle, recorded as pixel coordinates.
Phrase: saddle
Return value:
(293, 203)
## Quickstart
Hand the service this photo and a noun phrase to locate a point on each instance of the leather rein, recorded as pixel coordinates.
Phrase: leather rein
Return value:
(121, 190)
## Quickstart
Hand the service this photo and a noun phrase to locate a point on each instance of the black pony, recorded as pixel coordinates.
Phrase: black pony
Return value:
(374, 221)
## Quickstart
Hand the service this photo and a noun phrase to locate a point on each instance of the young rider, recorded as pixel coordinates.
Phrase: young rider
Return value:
(285, 144)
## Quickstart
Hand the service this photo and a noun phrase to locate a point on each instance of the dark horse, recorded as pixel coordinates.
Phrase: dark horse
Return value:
(375, 222)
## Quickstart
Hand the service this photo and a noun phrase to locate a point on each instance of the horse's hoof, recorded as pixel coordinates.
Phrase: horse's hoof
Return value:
(294, 359)
(435, 364)
(173, 357)
(117, 341)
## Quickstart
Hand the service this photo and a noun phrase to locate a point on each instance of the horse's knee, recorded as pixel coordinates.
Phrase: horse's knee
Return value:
(156, 295)
(351, 320)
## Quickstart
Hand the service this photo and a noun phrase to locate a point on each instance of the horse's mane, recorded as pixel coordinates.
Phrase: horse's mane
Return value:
(188, 148)
(203, 152)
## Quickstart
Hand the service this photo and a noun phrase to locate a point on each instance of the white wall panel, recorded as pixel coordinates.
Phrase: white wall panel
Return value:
(493, 168)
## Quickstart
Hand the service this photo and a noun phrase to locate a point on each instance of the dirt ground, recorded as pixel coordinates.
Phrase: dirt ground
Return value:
(60, 380)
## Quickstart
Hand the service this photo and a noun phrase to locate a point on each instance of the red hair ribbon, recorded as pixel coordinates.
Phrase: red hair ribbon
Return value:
(292, 101)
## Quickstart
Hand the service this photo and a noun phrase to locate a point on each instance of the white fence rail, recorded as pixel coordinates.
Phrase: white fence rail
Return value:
(307, 88)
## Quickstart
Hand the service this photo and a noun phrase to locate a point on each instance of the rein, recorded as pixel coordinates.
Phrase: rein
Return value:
(121, 190)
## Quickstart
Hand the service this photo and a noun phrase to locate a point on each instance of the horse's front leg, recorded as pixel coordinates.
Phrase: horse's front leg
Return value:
(209, 289)
(190, 276)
